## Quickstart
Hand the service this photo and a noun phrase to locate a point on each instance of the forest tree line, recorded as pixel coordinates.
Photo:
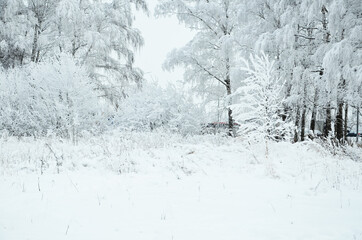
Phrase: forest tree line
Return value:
(315, 47)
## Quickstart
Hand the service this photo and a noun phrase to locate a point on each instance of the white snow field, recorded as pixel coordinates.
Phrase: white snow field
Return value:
(161, 186)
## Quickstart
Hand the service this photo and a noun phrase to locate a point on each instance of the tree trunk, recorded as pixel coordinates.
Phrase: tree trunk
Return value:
(339, 116)
(297, 119)
(326, 34)
(37, 56)
(304, 111)
(345, 122)
(74, 49)
(22, 58)
(35, 43)
(328, 126)
(339, 122)
(228, 90)
(230, 112)
(302, 132)
(314, 111)
(357, 136)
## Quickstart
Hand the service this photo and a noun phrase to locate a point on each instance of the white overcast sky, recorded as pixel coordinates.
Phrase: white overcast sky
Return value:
(161, 35)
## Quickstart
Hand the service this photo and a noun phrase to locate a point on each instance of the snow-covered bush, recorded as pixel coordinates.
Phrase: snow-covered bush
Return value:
(55, 96)
(260, 102)
(153, 107)
(99, 34)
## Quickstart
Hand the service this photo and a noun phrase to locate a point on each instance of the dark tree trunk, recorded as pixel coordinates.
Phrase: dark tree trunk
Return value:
(37, 57)
(328, 126)
(339, 122)
(22, 58)
(74, 49)
(313, 120)
(302, 132)
(357, 124)
(231, 122)
(345, 121)
(304, 111)
(314, 112)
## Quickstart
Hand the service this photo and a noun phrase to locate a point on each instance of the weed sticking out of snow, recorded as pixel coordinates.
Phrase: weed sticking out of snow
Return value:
(160, 185)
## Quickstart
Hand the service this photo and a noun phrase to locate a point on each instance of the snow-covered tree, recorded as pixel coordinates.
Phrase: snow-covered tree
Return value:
(154, 107)
(316, 48)
(342, 58)
(98, 34)
(53, 96)
(15, 34)
(260, 101)
(209, 58)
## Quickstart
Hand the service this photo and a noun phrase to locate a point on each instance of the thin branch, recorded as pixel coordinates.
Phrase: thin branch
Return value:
(210, 73)
(302, 36)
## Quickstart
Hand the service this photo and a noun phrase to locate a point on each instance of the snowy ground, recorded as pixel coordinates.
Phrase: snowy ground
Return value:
(163, 186)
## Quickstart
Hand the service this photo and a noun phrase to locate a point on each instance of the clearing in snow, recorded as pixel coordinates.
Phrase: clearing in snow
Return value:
(164, 186)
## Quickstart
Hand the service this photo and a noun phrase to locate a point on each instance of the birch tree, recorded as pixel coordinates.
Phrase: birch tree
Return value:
(98, 34)
(209, 57)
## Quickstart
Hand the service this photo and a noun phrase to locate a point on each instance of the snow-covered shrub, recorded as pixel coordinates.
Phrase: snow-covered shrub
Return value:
(153, 107)
(260, 102)
(55, 96)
